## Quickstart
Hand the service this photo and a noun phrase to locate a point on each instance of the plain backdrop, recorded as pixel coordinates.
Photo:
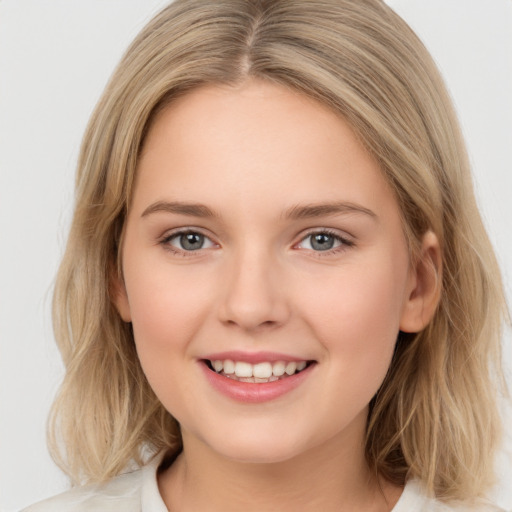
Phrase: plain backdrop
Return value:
(55, 58)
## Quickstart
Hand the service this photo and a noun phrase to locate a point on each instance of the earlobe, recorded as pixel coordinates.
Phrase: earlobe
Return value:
(119, 297)
(425, 284)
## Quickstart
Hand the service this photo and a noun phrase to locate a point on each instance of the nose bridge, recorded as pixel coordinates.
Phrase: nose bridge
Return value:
(253, 292)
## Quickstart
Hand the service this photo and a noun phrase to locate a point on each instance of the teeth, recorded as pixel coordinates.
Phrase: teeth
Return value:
(278, 368)
(301, 366)
(229, 366)
(291, 368)
(243, 369)
(260, 372)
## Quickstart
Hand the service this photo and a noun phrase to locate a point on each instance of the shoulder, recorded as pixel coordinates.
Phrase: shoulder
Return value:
(136, 491)
(413, 498)
(121, 493)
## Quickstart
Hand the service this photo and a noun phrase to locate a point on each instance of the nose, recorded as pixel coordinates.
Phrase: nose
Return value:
(254, 295)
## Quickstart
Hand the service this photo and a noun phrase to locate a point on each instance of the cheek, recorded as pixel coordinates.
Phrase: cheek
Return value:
(164, 323)
(166, 310)
(166, 301)
(356, 318)
(358, 304)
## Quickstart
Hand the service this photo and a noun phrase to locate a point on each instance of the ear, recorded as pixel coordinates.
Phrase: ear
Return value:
(424, 286)
(119, 296)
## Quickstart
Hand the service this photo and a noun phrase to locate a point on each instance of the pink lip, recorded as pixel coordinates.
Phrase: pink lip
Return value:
(250, 392)
(253, 357)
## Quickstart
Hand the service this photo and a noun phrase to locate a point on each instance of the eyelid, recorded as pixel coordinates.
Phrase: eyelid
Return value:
(176, 232)
(346, 241)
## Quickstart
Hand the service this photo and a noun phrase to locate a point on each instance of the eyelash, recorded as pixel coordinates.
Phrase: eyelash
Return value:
(344, 242)
(165, 242)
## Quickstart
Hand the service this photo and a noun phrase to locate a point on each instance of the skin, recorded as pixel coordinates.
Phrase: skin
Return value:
(253, 155)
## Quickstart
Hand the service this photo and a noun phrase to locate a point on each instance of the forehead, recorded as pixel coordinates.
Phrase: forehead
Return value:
(254, 111)
(221, 143)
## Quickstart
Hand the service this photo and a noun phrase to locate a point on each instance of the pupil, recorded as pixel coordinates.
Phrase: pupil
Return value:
(192, 241)
(322, 242)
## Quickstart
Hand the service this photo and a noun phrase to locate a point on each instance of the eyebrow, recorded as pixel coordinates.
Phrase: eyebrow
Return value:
(181, 208)
(296, 212)
(324, 209)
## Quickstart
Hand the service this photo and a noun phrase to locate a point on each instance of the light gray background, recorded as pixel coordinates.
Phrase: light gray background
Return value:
(55, 58)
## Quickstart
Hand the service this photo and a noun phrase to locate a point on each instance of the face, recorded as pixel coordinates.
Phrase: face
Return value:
(263, 241)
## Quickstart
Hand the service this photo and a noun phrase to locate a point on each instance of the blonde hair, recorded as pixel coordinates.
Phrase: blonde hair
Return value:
(435, 417)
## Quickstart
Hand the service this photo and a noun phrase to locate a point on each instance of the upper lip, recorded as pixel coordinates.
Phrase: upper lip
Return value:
(253, 357)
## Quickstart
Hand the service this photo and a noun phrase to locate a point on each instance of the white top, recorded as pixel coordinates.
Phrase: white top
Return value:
(138, 492)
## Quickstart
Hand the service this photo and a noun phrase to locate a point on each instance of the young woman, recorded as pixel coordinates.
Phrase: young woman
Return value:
(277, 292)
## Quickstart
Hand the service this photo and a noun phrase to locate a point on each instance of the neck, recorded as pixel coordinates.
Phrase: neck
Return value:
(331, 476)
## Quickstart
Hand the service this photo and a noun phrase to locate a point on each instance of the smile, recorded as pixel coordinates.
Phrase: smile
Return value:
(255, 378)
(262, 372)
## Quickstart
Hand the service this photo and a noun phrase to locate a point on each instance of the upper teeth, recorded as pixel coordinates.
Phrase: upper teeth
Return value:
(260, 370)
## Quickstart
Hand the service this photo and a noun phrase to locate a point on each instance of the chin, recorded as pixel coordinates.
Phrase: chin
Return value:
(258, 447)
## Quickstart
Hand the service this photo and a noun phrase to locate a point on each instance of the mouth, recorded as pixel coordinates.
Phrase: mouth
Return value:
(256, 377)
(260, 373)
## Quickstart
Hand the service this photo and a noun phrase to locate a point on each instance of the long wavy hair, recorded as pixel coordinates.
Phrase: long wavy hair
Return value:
(435, 417)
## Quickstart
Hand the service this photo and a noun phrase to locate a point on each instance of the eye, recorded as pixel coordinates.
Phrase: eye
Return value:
(321, 241)
(188, 241)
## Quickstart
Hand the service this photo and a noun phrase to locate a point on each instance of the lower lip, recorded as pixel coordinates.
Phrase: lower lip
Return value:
(251, 392)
